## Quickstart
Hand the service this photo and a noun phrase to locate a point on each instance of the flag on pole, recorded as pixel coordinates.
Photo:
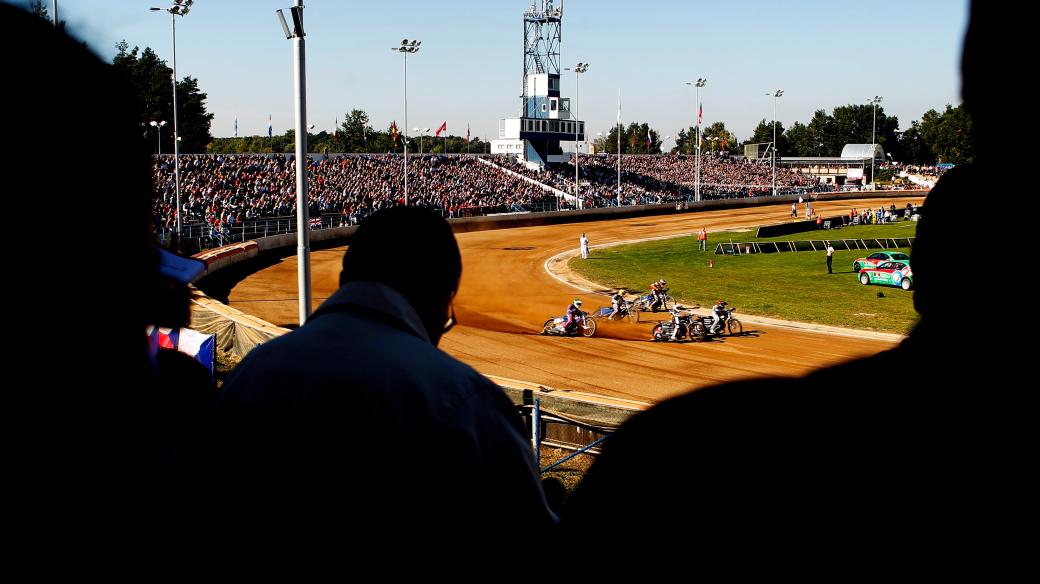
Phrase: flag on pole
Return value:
(467, 133)
(335, 133)
(649, 140)
(270, 128)
(442, 128)
(619, 106)
(236, 125)
(393, 132)
(700, 114)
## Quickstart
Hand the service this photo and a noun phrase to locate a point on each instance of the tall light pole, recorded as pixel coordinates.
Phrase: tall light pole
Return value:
(701, 82)
(407, 47)
(578, 70)
(776, 95)
(873, 140)
(422, 133)
(303, 244)
(54, 12)
(179, 8)
(158, 126)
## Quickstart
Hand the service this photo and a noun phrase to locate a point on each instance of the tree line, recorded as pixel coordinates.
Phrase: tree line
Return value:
(353, 135)
(937, 137)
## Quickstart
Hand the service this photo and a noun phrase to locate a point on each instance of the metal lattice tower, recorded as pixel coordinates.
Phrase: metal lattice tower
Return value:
(542, 38)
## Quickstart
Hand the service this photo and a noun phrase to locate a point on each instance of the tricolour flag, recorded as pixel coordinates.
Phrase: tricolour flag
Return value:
(649, 139)
(700, 114)
(270, 128)
(236, 126)
(193, 343)
(393, 132)
(467, 133)
(442, 128)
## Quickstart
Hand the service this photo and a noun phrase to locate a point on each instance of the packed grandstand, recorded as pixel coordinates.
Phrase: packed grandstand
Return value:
(222, 191)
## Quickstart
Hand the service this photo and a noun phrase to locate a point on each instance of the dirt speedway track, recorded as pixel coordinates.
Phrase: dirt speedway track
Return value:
(506, 295)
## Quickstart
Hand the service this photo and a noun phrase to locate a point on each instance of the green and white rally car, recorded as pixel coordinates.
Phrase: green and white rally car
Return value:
(889, 274)
(876, 259)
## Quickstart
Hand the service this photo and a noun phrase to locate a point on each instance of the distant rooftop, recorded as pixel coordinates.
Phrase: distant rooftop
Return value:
(861, 151)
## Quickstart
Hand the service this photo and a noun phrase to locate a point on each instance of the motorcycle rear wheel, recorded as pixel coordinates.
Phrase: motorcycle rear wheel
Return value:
(548, 326)
(697, 332)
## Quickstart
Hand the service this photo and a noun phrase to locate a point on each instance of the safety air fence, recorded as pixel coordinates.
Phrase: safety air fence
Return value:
(555, 416)
(752, 247)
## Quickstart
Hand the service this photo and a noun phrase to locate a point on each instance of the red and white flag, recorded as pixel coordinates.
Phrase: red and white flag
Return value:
(467, 133)
(443, 127)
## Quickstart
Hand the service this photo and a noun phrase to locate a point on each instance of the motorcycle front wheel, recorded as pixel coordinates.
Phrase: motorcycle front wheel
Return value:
(734, 326)
(588, 328)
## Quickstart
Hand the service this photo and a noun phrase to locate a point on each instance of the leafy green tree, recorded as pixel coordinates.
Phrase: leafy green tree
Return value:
(764, 134)
(821, 136)
(854, 124)
(633, 140)
(949, 135)
(151, 77)
(912, 147)
(716, 137)
(799, 140)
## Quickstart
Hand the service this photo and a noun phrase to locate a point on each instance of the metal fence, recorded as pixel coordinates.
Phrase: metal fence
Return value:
(196, 237)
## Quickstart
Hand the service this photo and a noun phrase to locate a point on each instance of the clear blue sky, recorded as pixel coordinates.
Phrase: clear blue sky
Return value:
(822, 53)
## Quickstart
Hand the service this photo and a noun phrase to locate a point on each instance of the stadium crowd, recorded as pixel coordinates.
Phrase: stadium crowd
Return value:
(664, 179)
(222, 191)
(226, 190)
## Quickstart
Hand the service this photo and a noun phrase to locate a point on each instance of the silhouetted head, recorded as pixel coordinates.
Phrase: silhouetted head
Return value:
(98, 182)
(949, 219)
(413, 251)
(985, 87)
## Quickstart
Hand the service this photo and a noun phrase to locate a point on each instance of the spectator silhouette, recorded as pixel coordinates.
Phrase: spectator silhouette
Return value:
(357, 419)
(97, 441)
(907, 458)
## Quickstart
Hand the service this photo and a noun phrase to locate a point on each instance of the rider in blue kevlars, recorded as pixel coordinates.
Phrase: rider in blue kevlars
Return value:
(573, 311)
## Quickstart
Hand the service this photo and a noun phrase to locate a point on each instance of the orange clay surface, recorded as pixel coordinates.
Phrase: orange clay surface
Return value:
(506, 295)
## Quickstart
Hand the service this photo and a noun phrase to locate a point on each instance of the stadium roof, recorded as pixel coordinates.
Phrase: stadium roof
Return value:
(861, 151)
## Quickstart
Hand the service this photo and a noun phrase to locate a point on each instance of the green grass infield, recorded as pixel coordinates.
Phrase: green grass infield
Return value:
(791, 285)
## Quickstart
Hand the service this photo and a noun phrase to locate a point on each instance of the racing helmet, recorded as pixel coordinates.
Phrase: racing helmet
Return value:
(662, 282)
(622, 292)
(577, 301)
